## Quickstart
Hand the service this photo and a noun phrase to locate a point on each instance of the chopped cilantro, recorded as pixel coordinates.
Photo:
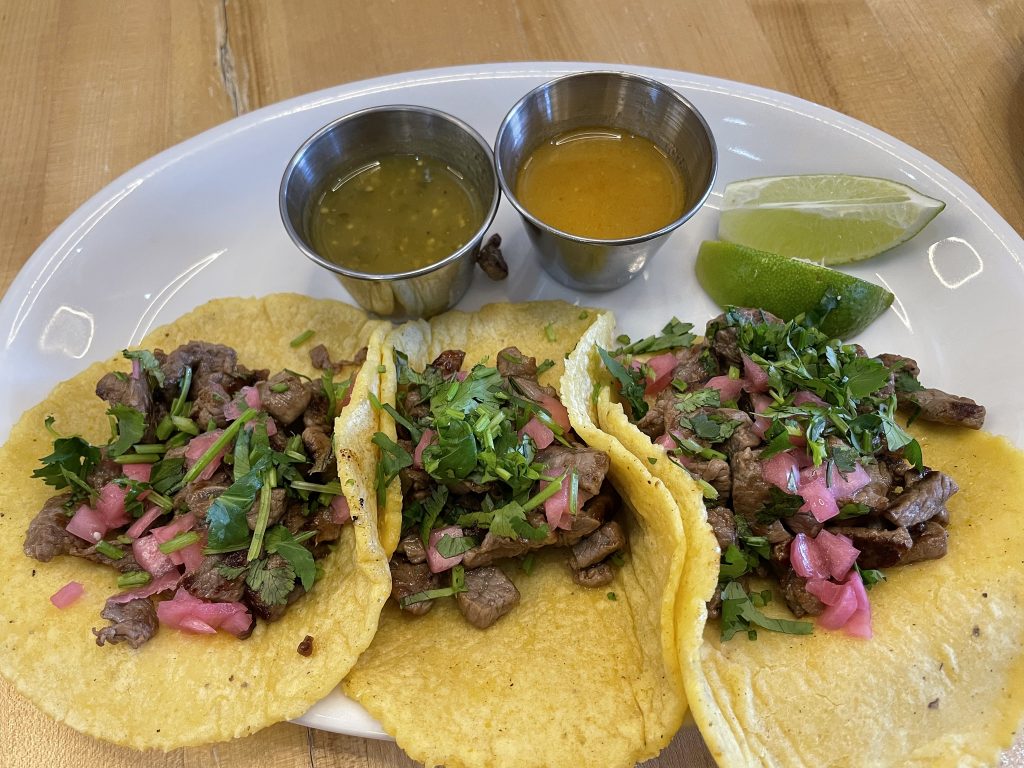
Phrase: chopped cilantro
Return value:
(612, 596)
(740, 613)
(632, 384)
(148, 362)
(279, 540)
(674, 335)
(68, 465)
(302, 338)
(549, 332)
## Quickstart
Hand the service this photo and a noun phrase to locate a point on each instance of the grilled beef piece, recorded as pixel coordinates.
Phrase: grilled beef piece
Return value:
(489, 595)
(315, 415)
(803, 522)
(653, 423)
(899, 363)
(208, 583)
(775, 532)
(599, 575)
(105, 471)
(876, 493)
(134, 622)
(118, 389)
(879, 548)
(722, 336)
(408, 579)
(943, 408)
(412, 547)
(586, 521)
(209, 405)
(326, 529)
(750, 491)
(744, 435)
(931, 541)
(521, 371)
(320, 447)
(724, 526)
(591, 466)
(321, 359)
(121, 564)
(922, 501)
(288, 405)
(278, 504)
(197, 497)
(714, 472)
(214, 363)
(490, 259)
(605, 541)
(413, 405)
(494, 548)
(46, 536)
(449, 362)
(694, 366)
(416, 483)
(800, 601)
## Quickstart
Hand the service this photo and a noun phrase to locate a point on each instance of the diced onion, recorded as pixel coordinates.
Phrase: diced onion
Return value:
(67, 594)
(435, 560)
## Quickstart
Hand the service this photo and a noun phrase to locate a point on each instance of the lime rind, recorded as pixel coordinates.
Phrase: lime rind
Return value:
(735, 275)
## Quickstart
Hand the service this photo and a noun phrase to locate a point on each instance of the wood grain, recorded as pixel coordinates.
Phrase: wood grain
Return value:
(89, 89)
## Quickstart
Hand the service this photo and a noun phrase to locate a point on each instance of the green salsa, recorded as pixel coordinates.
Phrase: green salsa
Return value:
(397, 213)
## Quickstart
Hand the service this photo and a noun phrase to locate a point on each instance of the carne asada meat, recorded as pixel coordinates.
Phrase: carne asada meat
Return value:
(805, 452)
(489, 595)
(133, 622)
(922, 501)
(411, 579)
(152, 524)
(500, 490)
(320, 358)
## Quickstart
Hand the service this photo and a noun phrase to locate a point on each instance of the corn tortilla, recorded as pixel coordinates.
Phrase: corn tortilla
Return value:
(940, 684)
(570, 677)
(181, 689)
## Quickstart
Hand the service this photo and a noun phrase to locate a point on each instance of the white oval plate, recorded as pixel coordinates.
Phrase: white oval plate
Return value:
(201, 221)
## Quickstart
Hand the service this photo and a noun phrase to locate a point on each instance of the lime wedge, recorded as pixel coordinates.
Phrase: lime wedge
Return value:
(739, 276)
(827, 218)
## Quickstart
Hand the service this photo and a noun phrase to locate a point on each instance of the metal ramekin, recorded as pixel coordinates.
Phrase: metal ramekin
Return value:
(622, 101)
(361, 137)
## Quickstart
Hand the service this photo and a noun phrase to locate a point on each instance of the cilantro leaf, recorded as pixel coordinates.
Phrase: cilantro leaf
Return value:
(131, 426)
(281, 541)
(740, 614)
(272, 584)
(393, 458)
(632, 384)
(674, 335)
(68, 465)
(148, 362)
(907, 383)
(865, 375)
(228, 529)
(451, 546)
(453, 457)
(687, 402)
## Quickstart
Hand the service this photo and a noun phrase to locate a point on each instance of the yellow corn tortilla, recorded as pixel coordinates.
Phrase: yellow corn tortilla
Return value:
(180, 689)
(940, 684)
(570, 677)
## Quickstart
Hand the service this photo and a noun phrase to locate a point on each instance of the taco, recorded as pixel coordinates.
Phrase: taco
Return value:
(512, 639)
(813, 491)
(194, 510)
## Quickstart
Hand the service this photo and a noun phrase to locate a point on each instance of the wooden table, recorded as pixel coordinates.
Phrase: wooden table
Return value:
(89, 89)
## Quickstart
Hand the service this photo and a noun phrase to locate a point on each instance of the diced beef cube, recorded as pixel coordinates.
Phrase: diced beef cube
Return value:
(721, 334)
(320, 447)
(489, 595)
(591, 466)
(876, 493)
(744, 435)
(724, 526)
(922, 501)
(931, 542)
(803, 522)
(47, 536)
(775, 532)
(208, 582)
(209, 363)
(320, 358)
(588, 519)
(449, 362)
(693, 366)
(412, 547)
(197, 497)
(410, 579)
(208, 405)
(898, 363)
(599, 575)
(800, 601)
(119, 389)
(521, 371)
(494, 548)
(315, 415)
(134, 622)
(286, 406)
(943, 408)
(716, 473)
(105, 471)
(750, 491)
(490, 259)
(879, 548)
(605, 541)
(278, 503)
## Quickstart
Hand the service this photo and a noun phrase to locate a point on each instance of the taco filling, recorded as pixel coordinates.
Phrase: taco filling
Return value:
(214, 499)
(491, 471)
(808, 478)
